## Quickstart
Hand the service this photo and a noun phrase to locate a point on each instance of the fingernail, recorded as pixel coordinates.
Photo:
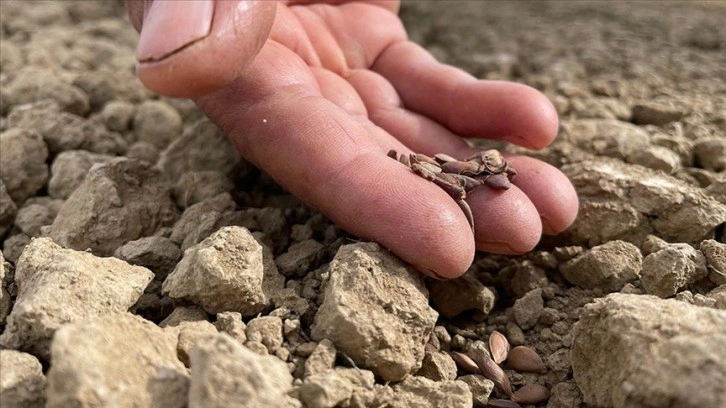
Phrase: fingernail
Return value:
(172, 25)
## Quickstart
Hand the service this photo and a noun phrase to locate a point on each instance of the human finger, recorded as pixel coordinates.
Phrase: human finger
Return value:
(188, 48)
(465, 105)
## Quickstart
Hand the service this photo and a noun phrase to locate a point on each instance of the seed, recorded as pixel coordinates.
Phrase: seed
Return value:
(499, 346)
(531, 394)
(502, 403)
(457, 167)
(465, 362)
(422, 158)
(493, 372)
(524, 359)
(443, 158)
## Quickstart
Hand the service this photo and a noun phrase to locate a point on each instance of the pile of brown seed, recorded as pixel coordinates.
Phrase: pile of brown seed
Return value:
(520, 358)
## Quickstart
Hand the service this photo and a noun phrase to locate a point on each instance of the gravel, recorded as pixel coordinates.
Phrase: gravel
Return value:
(145, 263)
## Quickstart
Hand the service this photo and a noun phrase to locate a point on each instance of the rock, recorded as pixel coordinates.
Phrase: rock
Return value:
(637, 350)
(213, 221)
(715, 254)
(158, 254)
(711, 153)
(657, 158)
(119, 360)
(191, 333)
(523, 277)
(325, 390)
(231, 323)
(438, 366)
(32, 84)
(119, 201)
(653, 244)
(375, 311)
(182, 314)
(22, 383)
(565, 394)
(656, 113)
(452, 297)
(6, 277)
(189, 220)
(197, 186)
(678, 144)
(605, 137)
(628, 202)
(157, 122)
(14, 245)
(31, 217)
(117, 115)
(224, 373)
(528, 309)
(608, 266)
(201, 147)
(23, 154)
(8, 210)
(321, 359)
(718, 294)
(267, 330)
(301, 232)
(98, 139)
(229, 271)
(57, 286)
(480, 388)
(672, 268)
(421, 392)
(61, 130)
(273, 223)
(300, 258)
(70, 168)
(143, 151)
(717, 190)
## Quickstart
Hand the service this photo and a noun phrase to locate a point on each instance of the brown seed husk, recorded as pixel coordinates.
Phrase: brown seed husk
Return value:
(465, 362)
(499, 347)
(502, 403)
(524, 359)
(531, 394)
(493, 372)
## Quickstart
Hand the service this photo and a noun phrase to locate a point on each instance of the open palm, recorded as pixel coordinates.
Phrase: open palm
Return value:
(318, 98)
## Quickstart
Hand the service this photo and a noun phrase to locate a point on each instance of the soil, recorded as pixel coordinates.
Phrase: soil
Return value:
(233, 275)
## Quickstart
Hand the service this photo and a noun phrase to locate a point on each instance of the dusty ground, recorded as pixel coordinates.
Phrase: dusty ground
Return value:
(271, 305)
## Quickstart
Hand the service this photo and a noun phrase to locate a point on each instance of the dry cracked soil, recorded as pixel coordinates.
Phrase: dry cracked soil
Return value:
(145, 264)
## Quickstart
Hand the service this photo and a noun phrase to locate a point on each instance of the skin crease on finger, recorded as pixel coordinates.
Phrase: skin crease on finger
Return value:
(388, 211)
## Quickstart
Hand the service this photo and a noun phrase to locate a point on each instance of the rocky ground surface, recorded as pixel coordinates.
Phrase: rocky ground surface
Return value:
(146, 264)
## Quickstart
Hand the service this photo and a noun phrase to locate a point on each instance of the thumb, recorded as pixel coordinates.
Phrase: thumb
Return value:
(189, 48)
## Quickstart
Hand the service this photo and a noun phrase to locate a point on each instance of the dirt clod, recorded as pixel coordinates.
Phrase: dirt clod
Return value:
(655, 357)
(672, 268)
(374, 336)
(92, 160)
(229, 271)
(224, 372)
(22, 383)
(132, 360)
(57, 286)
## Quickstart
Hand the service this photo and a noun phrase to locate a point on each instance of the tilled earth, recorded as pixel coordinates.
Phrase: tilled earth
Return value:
(146, 264)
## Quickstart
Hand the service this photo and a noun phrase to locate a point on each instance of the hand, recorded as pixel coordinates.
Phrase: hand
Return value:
(317, 94)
